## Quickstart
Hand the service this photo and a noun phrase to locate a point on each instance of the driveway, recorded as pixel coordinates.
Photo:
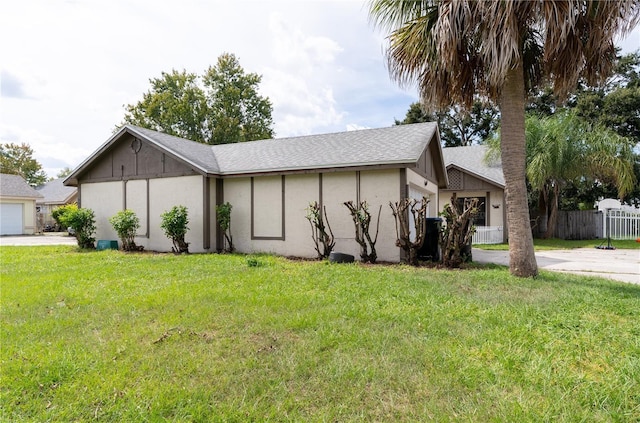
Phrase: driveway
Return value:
(619, 265)
(54, 238)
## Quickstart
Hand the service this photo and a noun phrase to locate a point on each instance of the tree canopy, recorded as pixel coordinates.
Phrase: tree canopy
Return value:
(222, 106)
(566, 150)
(17, 159)
(458, 127)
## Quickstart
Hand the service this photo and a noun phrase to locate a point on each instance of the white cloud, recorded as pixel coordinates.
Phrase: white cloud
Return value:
(80, 61)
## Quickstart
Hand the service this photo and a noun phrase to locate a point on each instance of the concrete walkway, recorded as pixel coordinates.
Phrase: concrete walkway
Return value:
(52, 238)
(620, 265)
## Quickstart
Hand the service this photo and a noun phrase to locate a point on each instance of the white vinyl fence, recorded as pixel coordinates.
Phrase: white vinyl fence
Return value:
(620, 224)
(488, 235)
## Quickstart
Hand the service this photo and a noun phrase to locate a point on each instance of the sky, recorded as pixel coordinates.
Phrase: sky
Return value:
(69, 67)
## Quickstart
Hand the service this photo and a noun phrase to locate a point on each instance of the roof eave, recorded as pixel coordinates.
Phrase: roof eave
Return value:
(346, 167)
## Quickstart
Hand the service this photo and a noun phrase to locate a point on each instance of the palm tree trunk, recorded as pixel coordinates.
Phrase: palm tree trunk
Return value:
(543, 212)
(522, 260)
(553, 216)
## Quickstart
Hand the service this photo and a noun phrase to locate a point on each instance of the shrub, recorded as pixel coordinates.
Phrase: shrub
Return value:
(61, 215)
(83, 223)
(223, 213)
(418, 210)
(174, 223)
(126, 224)
(324, 242)
(456, 235)
(361, 220)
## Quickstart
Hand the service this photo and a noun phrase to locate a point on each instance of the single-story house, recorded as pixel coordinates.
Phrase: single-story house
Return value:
(269, 184)
(54, 194)
(470, 175)
(17, 206)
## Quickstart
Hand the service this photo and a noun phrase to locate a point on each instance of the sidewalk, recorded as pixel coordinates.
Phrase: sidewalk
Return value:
(620, 265)
(48, 239)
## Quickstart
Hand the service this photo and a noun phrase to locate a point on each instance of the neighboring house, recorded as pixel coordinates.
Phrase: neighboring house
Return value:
(470, 176)
(269, 184)
(17, 206)
(54, 194)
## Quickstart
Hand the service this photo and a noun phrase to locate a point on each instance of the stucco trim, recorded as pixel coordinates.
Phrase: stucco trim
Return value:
(404, 193)
(282, 210)
(206, 213)
(219, 201)
(320, 190)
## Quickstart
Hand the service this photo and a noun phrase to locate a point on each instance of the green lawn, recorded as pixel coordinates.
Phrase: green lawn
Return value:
(562, 244)
(114, 337)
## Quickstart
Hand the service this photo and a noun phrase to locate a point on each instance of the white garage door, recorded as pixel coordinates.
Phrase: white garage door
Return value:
(11, 219)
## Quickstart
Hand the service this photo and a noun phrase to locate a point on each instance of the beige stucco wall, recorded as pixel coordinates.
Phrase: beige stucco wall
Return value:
(29, 222)
(299, 190)
(426, 188)
(268, 207)
(136, 200)
(164, 193)
(237, 192)
(107, 198)
(337, 188)
(376, 187)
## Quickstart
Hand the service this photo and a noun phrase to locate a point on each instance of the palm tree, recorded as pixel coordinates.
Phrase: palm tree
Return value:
(454, 49)
(564, 148)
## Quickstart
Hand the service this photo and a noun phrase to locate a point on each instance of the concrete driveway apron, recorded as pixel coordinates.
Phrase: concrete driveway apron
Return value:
(620, 265)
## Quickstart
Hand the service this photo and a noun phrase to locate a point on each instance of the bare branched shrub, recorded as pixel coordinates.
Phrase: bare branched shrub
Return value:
(362, 220)
(324, 241)
(418, 210)
(456, 235)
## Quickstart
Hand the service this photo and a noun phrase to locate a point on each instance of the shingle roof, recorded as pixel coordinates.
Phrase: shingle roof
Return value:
(400, 145)
(16, 186)
(198, 154)
(472, 160)
(55, 192)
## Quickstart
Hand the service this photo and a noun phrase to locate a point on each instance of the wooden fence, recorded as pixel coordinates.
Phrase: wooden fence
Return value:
(579, 224)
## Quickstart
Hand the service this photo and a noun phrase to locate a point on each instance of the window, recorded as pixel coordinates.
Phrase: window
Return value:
(481, 217)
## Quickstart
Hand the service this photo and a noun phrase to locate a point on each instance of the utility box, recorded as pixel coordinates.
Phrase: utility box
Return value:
(430, 250)
(107, 244)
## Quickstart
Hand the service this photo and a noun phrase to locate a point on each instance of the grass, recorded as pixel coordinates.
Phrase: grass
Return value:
(113, 337)
(562, 244)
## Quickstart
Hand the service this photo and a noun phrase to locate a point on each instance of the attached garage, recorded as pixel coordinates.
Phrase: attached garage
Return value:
(11, 218)
(17, 206)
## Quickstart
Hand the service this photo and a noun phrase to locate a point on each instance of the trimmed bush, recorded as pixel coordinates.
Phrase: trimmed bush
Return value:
(83, 222)
(62, 213)
(126, 224)
(174, 223)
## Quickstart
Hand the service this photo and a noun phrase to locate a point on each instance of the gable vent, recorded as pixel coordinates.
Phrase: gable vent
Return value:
(455, 179)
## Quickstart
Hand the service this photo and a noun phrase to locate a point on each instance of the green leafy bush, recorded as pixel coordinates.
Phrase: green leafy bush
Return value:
(83, 222)
(61, 215)
(126, 224)
(174, 223)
